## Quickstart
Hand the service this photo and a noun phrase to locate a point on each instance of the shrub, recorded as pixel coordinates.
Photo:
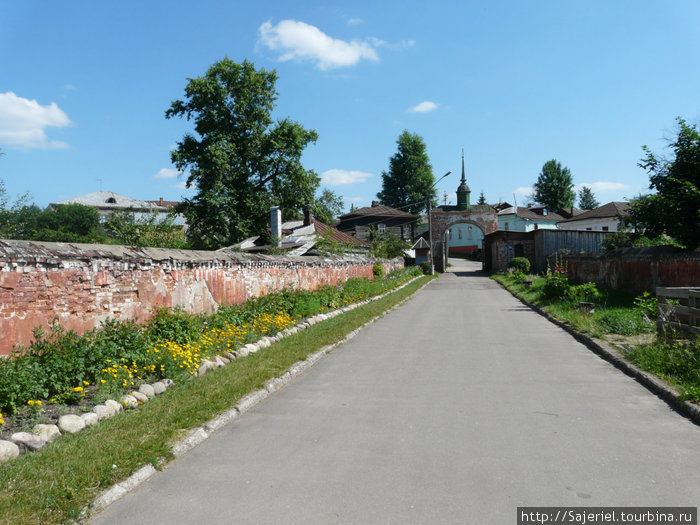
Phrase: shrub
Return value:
(583, 292)
(425, 266)
(520, 264)
(556, 283)
(646, 305)
(378, 270)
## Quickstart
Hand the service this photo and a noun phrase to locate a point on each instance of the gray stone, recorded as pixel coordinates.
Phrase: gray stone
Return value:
(159, 387)
(147, 390)
(129, 401)
(103, 411)
(8, 450)
(168, 382)
(243, 351)
(230, 355)
(71, 423)
(140, 396)
(205, 366)
(90, 418)
(30, 441)
(114, 404)
(252, 348)
(219, 361)
(48, 433)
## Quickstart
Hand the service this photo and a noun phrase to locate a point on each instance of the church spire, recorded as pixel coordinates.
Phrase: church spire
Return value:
(463, 190)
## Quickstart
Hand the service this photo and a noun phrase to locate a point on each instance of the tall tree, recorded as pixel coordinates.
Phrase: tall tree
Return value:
(554, 186)
(675, 208)
(586, 199)
(410, 179)
(328, 206)
(482, 198)
(239, 160)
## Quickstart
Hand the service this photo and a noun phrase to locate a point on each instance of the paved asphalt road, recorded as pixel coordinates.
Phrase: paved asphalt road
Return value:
(456, 408)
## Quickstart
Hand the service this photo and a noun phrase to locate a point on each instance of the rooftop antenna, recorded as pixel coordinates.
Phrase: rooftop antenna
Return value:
(100, 181)
(515, 203)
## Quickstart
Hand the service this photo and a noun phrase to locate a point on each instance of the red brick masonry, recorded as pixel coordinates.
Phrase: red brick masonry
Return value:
(83, 285)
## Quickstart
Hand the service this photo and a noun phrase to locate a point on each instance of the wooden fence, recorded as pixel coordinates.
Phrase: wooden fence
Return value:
(678, 309)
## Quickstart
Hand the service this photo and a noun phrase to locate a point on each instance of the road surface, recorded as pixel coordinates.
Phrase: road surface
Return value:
(458, 407)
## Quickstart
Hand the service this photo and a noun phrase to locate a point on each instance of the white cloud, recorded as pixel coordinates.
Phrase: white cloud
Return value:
(603, 187)
(301, 41)
(23, 122)
(69, 86)
(355, 21)
(526, 191)
(424, 107)
(167, 173)
(182, 185)
(340, 177)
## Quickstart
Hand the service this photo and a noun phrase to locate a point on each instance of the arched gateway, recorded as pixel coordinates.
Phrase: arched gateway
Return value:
(481, 215)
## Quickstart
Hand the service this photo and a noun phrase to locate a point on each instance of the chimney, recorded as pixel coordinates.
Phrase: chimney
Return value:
(276, 225)
(160, 203)
(308, 216)
(375, 204)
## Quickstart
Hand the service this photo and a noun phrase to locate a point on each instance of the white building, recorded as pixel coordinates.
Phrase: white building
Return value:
(606, 218)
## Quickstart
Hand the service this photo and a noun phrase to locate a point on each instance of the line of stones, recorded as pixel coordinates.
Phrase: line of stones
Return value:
(23, 442)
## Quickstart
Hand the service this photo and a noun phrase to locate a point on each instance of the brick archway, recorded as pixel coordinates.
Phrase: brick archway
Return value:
(486, 221)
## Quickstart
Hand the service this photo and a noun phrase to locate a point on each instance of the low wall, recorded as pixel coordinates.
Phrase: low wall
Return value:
(82, 285)
(636, 270)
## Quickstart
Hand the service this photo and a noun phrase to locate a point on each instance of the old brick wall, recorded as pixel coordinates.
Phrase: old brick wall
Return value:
(82, 285)
(636, 270)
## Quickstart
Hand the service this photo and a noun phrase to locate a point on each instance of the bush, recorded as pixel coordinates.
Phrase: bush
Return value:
(378, 270)
(556, 283)
(583, 292)
(520, 264)
(425, 267)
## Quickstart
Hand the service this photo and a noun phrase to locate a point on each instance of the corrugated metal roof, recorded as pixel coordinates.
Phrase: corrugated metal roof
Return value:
(534, 213)
(109, 199)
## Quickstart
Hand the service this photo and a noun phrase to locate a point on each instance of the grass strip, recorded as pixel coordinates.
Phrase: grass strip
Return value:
(56, 483)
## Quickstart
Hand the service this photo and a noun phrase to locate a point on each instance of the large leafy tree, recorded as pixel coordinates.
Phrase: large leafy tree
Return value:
(328, 206)
(410, 179)
(240, 161)
(675, 208)
(586, 199)
(554, 186)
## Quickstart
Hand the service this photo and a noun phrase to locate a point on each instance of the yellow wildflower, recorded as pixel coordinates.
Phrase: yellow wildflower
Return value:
(78, 389)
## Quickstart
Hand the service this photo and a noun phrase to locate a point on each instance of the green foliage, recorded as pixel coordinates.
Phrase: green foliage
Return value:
(635, 240)
(387, 245)
(482, 198)
(675, 208)
(556, 281)
(378, 270)
(520, 264)
(619, 321)
(586, 199)
(646, 304)
(328, 207)
(409, 181)
(587, 292)
(678, 361)
(154, 230)
(554, 186)
(239, 160)
(425, 267)
(59, 360)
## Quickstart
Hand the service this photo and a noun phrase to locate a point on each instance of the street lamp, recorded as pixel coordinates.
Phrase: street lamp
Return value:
(430, 225)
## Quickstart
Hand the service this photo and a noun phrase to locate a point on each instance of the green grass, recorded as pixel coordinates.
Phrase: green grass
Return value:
(677, 362)
(615, 312)
(56, 483)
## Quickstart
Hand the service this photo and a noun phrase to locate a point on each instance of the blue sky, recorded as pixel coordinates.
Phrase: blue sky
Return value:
(84, 86)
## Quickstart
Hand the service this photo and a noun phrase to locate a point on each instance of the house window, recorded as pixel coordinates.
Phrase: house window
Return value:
(459, 231)
(406, 231)
(381, 228)
(589, 229)
(111, 200)
(469, 233)
(450, 233)
(505, 225)
(605, 228)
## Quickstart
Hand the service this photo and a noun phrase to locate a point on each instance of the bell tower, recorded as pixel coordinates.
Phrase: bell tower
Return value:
(463, 191)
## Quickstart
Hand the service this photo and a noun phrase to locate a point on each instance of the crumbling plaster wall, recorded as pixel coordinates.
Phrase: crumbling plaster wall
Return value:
(82, 285)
